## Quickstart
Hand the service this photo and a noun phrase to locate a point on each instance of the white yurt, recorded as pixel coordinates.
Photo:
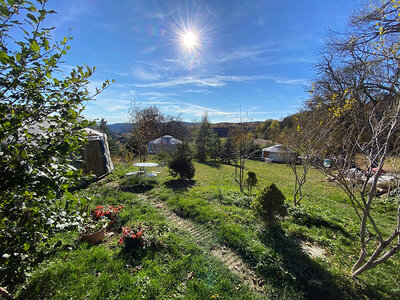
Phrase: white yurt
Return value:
(96, 157)
(279, 154)
(165, 143)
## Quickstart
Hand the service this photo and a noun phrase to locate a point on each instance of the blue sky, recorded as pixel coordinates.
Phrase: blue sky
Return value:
(249, 56)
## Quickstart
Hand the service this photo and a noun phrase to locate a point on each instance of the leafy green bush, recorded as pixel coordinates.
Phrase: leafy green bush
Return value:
(251, 181)
(41, 126)
(181, 163)
(269, 204)
(162, 157)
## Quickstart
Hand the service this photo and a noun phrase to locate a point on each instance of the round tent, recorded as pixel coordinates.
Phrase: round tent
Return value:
(95, 154)
(165, 143)
(279, 154)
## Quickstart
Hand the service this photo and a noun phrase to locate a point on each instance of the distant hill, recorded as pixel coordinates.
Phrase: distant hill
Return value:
(120, 127)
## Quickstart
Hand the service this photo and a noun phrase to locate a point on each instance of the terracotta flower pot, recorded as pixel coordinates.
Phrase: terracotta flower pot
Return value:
(94, 237)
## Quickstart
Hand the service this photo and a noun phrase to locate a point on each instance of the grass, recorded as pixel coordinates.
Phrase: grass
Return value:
(325, 218)
(176, 267)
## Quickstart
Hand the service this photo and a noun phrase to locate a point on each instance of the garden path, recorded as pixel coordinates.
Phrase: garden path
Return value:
(203, 237)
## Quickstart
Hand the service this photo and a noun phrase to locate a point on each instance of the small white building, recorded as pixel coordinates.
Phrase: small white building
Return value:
(278, 154)
(165, 143)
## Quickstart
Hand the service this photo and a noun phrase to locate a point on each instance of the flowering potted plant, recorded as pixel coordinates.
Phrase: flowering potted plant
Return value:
(95, 231)
(110, 212)
(133, 238)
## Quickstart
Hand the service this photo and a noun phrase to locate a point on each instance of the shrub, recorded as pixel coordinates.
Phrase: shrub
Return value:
(269, 204)
(181, 163)
(251, 181)
(162, 157)
(41, 133)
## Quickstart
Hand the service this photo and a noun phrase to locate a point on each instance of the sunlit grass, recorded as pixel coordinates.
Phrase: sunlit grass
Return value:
(325, 218)
(212, 198)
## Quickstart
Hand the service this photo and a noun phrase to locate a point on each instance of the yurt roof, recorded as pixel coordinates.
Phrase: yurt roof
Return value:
(93, 134)
(166, 139)
(277, 148)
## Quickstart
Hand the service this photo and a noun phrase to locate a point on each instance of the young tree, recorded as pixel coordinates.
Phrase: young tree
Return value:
(41, 126)
(180, 163)
(215, 146)
(228, 154)
(299, 138)
(269, 204)
(202, 139)
(245, 148)
(251, 181)
(112, 143)
(356, 111)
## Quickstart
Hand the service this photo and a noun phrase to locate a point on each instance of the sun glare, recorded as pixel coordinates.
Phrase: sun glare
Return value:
(189, 40)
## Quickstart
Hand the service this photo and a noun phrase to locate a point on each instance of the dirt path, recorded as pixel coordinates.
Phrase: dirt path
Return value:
(202, 237)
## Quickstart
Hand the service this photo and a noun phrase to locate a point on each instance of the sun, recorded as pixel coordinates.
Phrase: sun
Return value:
(189, 40)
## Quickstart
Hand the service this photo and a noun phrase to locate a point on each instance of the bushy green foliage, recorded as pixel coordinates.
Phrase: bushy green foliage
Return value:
(251, 181)
(228, 154)
(181, 163)
(40, 130)
(113, 145)
(269, 204)
(162, 157)
(202, 139)
(215, 146)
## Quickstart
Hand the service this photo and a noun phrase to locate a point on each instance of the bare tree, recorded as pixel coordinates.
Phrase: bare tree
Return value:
(149, 123)
(356, 114)
(244, 142)
(300, 139)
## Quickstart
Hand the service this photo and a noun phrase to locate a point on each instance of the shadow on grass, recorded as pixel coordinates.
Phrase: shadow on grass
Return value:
(179, 184)
(137, 189)
(302, 218)
(212, 164)
(305, 274)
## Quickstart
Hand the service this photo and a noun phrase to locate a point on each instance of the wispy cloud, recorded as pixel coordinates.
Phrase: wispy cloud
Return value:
(195, 91)
(156, 95)
(251, 52)
(145, 75)
(215, 81)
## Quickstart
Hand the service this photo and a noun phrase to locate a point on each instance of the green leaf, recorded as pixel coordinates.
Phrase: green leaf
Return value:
(32, 9)
(35, 46)
(26, 246)
(3, 57)
(32, 17)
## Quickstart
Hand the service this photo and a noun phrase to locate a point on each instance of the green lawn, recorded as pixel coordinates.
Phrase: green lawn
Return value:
(175, 267)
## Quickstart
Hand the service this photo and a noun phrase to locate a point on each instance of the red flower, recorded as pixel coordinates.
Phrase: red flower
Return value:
(121, 240)
(133, 236)
(139, 234)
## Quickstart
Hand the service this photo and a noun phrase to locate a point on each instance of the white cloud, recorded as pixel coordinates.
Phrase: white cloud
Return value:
(218, 81)
(157, 95)
(215, 81)
(145, 75)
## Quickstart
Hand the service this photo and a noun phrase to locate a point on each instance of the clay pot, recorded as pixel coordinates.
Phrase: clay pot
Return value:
(94, 237)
